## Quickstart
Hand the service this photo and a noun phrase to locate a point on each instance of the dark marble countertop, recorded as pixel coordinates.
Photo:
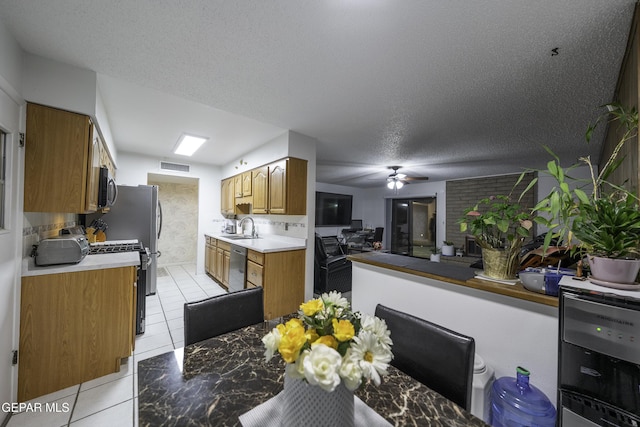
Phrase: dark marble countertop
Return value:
(213, 382)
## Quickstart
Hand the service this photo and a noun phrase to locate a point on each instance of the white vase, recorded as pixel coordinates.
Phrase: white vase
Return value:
(620, 271)
(310, 406)
(448, 250)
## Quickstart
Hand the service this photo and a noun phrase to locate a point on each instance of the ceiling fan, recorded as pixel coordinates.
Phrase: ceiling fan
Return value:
(398, 180)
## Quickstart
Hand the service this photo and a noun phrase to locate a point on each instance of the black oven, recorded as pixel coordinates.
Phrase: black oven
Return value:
(107, 189)
(599, 363)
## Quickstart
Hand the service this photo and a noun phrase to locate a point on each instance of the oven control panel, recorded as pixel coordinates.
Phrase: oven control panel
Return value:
(607, 329)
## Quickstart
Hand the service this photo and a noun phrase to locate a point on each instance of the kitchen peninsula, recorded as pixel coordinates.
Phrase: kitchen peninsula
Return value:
(511, 326)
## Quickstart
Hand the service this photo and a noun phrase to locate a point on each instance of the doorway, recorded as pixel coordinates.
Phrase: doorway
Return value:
(413, 226)
(179, 238)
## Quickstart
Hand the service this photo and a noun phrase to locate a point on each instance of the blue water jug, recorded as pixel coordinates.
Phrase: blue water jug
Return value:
(516, 403)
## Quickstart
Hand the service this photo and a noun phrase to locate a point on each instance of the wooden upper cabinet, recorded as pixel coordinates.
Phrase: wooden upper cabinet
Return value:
(60, 162)
(288, 187)
(247, 183)
(278, 187)
(260, 178)
(237, 185)
(227, 202)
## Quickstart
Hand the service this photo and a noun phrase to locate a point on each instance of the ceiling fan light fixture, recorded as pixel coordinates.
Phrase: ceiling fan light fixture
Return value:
(391, 185)
(399, 184)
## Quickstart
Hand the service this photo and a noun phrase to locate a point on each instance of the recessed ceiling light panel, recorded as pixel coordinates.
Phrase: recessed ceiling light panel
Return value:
(188, 144)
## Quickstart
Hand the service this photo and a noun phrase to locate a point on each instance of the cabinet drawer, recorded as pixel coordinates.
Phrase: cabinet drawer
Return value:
(256, 257)
(226, 246)
(254, 273)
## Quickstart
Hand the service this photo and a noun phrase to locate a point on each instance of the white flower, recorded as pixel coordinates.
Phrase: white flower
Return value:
(271, 342)
(350, 372)
(372, 356)
(336, 299)
(378, 327)
(321, 367)
(296, 370)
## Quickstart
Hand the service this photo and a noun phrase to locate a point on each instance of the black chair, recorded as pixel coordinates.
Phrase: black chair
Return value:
(438, 357)
(377, 234)
(220, 314)
(331, 267)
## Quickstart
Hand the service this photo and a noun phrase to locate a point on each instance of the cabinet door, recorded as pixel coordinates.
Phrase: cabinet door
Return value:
(246, 183)
(207, 254)
(237, 185)
(278, 187)
(260, 178)
(93, 171)
(74, 327)
(226, 266)
(57, 158)
(219, 264)
(227, 202)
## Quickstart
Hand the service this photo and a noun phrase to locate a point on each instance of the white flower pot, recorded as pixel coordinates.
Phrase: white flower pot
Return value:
(307, 405)
(619, 271)
(435, 257)
(448, 250)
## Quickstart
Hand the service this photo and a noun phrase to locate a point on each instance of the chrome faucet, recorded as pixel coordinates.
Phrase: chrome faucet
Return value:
(253, 225)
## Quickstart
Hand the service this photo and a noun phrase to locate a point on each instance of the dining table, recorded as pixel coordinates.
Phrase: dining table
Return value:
(215, 381)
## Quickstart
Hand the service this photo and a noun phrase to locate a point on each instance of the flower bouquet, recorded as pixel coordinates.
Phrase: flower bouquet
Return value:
(329, 352)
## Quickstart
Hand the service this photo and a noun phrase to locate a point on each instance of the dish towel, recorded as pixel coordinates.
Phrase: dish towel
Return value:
(268, 414)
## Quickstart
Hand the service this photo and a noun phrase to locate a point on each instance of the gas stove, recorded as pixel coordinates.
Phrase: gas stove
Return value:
(115, 246)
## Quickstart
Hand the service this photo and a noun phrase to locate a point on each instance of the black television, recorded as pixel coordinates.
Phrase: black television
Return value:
(333, 210)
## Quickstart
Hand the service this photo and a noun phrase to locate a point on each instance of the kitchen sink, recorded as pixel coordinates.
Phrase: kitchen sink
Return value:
(239, 237)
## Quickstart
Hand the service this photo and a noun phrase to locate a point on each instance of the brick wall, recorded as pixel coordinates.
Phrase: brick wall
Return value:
(464, 193)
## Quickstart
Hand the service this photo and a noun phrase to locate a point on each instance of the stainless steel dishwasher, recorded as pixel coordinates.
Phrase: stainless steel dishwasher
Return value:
(237, 268)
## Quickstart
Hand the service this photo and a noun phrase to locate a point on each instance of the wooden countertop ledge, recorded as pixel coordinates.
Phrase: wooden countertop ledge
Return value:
(450, 273)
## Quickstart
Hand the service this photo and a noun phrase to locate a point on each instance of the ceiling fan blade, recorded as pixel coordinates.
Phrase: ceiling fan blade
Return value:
(416, 178)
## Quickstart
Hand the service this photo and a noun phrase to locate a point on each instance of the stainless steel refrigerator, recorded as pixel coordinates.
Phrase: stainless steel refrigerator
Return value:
(137, 214)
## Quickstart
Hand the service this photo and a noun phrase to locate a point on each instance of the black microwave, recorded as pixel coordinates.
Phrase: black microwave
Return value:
(107, 189)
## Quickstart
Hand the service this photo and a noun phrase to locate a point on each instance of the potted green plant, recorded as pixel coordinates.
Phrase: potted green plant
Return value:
(597, 218)
(499, 226)
(448, 248)
(435, 256)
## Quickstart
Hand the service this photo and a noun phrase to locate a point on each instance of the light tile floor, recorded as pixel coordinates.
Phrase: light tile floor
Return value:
(112, 400)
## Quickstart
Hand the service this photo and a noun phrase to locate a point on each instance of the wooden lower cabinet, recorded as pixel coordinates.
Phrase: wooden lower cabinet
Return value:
(74, 327)
(281, 275)
(218, 258)
(210, 255)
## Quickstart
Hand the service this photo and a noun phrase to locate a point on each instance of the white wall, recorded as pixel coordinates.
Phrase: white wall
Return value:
(133, 170)
(508, 332)
(11, 122)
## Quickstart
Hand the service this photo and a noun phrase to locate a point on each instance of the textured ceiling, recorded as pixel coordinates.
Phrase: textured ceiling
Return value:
(448, 89)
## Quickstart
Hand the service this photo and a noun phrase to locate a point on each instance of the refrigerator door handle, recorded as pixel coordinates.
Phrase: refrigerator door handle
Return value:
(160, 218)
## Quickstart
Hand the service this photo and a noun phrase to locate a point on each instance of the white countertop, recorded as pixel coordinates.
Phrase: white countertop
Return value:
(587, 285)
(90, 262)
(265, 244)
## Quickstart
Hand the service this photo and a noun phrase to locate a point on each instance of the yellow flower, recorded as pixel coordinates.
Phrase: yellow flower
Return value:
(311, 307)
(294, 323)
(311, 335)
(291, 342)
(327, 340)
(343, 330)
